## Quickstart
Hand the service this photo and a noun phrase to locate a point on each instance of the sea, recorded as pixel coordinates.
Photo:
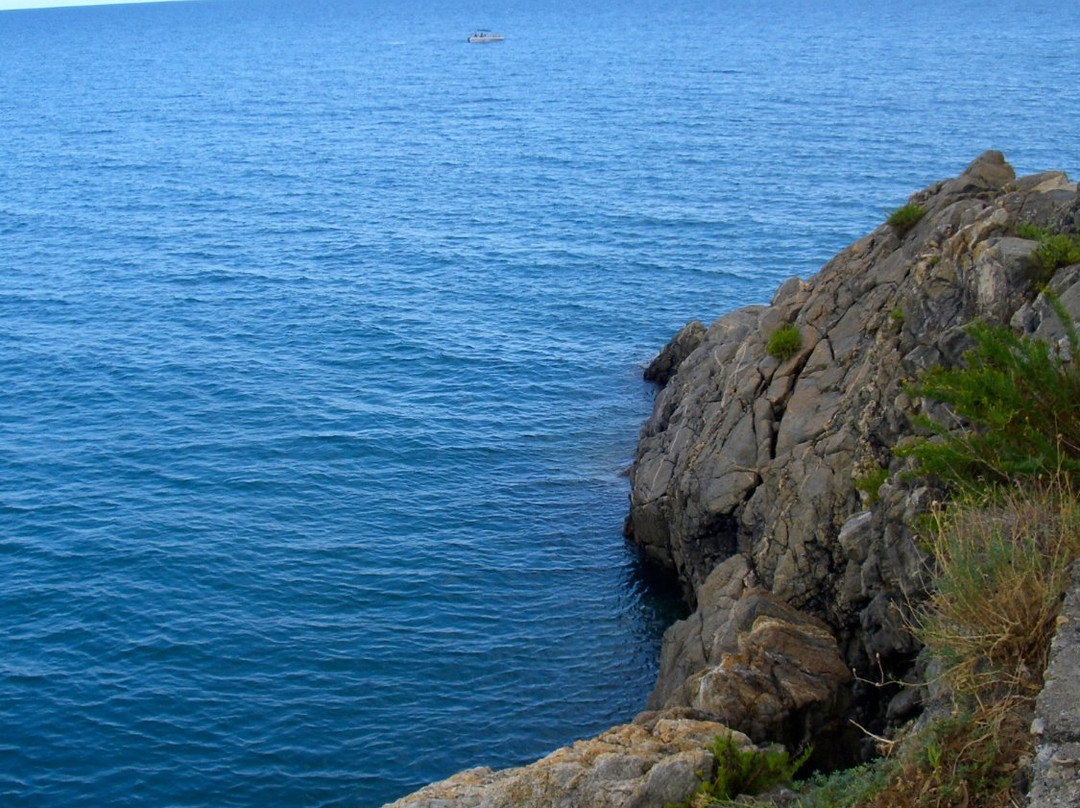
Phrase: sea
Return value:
(321, 338)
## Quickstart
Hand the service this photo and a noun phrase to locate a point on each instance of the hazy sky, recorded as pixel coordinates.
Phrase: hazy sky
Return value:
(10, 4)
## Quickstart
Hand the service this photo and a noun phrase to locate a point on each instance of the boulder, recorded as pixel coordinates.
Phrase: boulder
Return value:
(756, 663)
(663, 367)
(658, 760)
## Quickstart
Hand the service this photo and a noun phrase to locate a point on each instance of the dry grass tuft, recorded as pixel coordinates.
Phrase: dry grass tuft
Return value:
(972, 759)
(1003, 563)
(1003, 567)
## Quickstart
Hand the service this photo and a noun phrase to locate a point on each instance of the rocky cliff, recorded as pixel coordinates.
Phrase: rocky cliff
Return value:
(748, 474)
(769, 487)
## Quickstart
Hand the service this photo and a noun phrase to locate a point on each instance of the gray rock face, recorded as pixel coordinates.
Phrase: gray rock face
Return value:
(754, 458)
(744, 485)
(1057, 722)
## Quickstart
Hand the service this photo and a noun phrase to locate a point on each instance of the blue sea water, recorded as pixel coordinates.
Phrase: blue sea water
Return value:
(320, 346)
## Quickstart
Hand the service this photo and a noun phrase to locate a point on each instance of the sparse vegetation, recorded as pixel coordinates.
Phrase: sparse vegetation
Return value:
(745, 771)
(1055, 250)
(1019, 401)
(964, 760)
(903, 219)
(870, 483)
(784, 342)
(849, 788)
(896, 318)
(1002, 550)
(1003, 560)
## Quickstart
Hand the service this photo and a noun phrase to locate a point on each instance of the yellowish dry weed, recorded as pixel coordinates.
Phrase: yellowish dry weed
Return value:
(1003, 566)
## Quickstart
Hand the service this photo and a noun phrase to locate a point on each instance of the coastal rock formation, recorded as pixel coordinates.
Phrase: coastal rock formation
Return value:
(747, 453)
(663, 367)
(768, 485)
(658, 760)
(754, 662)
(762, 458)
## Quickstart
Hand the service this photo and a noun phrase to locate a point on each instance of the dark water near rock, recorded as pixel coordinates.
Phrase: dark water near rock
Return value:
(320, 339)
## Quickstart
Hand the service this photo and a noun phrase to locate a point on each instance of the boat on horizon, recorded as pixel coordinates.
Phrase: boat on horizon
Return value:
(477, 37)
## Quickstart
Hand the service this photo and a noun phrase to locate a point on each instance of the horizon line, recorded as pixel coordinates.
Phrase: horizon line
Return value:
(33, 5)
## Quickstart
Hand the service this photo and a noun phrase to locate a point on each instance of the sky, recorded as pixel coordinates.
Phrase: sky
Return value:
(7, 5)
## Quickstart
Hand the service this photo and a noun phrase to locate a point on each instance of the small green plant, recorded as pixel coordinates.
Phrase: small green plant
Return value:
(1032, 231)
(746, 771)
(1055, 250)
(848, 788)
(896, 318)
(784, 342)
(902, 220)
(870, 483)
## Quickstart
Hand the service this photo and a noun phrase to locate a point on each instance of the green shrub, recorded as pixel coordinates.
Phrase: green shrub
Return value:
(745, 771)
(1018, 402)
(784, 342)
(848, 788)
(1055, 250)
(871, 482)
(903, 219)
(1054, 253)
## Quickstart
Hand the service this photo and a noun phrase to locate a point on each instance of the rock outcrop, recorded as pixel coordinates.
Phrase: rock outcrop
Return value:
(760, 458)
(754, 662)
(663, 367)
(658, 760)
(769, 487)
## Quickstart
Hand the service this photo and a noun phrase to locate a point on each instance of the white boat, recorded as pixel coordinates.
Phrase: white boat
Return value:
(477, 37)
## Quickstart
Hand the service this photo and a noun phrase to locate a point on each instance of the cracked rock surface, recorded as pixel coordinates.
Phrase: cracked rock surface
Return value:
(751, 457)
(656, 761)
(744, 486)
